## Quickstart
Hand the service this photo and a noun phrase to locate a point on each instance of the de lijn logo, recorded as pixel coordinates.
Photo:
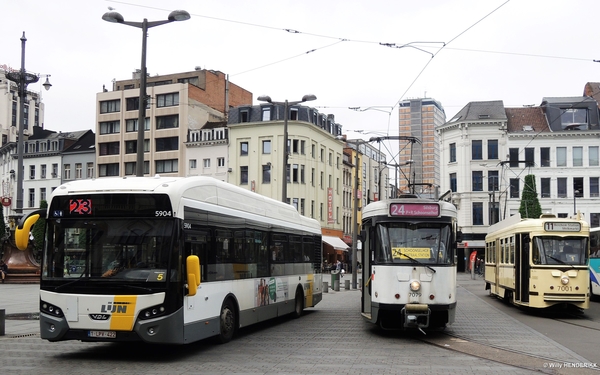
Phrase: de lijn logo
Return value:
(115, 307)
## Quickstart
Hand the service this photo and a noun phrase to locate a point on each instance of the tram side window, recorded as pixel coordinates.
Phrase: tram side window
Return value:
(502, 251)
(512, 250)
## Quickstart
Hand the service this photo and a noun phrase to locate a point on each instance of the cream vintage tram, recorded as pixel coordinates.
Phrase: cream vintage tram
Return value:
(539, 263)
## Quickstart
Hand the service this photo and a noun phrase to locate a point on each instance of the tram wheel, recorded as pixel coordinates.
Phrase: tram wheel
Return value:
(227, 320)
(298, 304)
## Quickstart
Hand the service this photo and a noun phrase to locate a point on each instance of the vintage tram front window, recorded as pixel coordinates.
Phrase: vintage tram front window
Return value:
(424, 242)
(560, 250)
(135, 250)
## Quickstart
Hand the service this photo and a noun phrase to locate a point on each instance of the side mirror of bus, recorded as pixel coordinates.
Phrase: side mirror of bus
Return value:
(24, 227)
(193, 274)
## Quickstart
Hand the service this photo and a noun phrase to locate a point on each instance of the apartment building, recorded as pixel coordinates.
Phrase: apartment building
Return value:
(313, 174)
(419, 118)
(179, 108)
(487, 150)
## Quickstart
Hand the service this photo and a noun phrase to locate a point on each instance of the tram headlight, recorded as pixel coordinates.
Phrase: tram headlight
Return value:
(564, 280)
(415, 285)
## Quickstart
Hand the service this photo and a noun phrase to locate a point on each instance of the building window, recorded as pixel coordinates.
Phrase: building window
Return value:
(561, 156)
(529, 157)
(78, 170)
(243, 148)
(302, 147)
(90, 170)
(167, 144)
(31, 197)
(453, 182)
(110, 127)
(206, 163)
(106, 170)
(513, 155)
(514, 187)
(492, 180)
(244, 175)
(492, 148)
(192, 163)
(67, 171)
(42, 194)
(43, 171)
(266, 113)
(476, 150)
(296, 146)
(244, 115)
(573, 118)
(130, 168)
(452, 152)
(167, 122)
(295, 174)
(578, 187)
(167, 100)
(132, 104)
(109, 148)
(167, 166)
(54, 170)
(477, 213)
(32, 172)
(266, 173)
(545, 193)
(220, 162)
(593, 156)
(577, 156)
(131, 125)
(545, 156)
(594, 187)
(109, 106)
(561, 187)
(266, 147)
(302, 174)
(477, 181)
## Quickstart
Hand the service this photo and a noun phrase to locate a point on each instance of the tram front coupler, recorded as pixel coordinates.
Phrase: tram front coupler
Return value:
(416, 315)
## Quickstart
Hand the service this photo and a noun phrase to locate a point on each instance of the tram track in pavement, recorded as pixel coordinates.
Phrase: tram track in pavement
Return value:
(516, 358)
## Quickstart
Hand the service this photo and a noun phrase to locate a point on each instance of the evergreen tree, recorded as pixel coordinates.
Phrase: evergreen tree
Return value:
(530, 205)
(38, 229)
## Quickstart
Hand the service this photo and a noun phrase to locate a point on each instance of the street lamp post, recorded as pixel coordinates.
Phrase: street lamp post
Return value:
(286, 105)
(22, 79)
(115, 17)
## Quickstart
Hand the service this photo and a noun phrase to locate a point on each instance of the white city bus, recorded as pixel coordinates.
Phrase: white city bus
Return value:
(170, 260)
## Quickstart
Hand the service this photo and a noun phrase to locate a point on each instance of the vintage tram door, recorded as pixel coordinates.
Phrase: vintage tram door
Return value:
(523, 245)
(367, 260)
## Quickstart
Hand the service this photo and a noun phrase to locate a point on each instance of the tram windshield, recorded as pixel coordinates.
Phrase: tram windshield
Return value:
(560, 250)
(121, 249)
(408, 243)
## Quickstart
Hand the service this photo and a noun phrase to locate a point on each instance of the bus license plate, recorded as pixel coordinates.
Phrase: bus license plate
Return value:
(103, 334)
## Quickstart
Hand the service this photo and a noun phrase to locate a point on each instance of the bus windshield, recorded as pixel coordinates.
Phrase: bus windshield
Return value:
(121, 249)
(560, 250)
(402, 242)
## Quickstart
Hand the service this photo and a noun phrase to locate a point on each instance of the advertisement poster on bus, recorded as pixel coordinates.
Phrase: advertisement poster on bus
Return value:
(270, 290)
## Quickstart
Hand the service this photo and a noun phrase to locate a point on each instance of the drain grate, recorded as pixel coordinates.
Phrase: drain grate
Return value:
(22, 336)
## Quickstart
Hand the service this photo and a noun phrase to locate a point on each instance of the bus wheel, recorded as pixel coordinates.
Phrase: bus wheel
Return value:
(299, 304)
(227, 322)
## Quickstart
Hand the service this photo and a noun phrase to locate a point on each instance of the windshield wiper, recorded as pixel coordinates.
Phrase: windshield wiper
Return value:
(416, 261)
(71, 282)
(561, 261)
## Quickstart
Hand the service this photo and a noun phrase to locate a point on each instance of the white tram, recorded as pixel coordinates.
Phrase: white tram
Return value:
(409, 263)
(539, 263)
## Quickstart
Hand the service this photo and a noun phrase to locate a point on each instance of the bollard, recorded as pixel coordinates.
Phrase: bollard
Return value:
(347, 284)
(336, 285)
(2, 322)
(325, 287)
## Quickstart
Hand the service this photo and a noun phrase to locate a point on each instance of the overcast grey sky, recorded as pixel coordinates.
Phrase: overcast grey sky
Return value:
(518, 51)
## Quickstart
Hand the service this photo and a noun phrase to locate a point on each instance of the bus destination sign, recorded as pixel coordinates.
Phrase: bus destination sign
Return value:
(415, 209)
(550, 226)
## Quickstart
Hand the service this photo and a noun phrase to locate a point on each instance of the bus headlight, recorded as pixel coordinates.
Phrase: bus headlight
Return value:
(415, 285)
(564, 280)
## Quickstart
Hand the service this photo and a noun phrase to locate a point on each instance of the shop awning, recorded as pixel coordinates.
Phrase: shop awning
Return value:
(336, 242)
